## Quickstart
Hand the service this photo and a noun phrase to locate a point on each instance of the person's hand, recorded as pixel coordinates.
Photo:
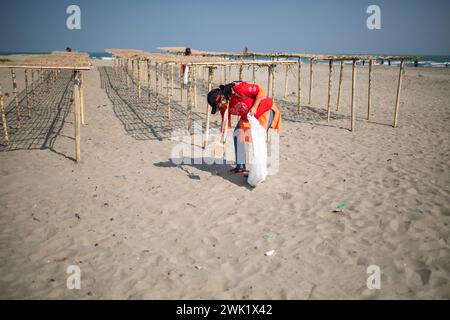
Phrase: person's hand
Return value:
(252, 111)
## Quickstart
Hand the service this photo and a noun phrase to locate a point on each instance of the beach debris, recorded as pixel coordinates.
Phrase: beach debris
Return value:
(199, 267)
(269, 253)
(265, 236)
(77, 216)
(341, 206)
(421, 210)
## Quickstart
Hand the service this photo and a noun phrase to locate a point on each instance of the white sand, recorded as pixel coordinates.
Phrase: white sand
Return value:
(149, 229)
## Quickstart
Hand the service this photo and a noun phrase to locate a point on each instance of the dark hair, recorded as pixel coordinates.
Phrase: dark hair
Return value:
(187, 52)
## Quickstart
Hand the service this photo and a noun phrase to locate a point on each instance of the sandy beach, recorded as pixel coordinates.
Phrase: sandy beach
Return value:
(141, 227)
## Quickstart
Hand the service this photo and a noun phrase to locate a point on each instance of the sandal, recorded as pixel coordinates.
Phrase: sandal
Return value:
(238, 170)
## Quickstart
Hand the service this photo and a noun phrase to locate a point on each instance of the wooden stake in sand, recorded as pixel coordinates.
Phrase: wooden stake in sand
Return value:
(310, 79)
(269, 80)
(286, 79)
(194, 71)
(341, 74)
(329, 90)
(399, 89)
(229, 74)
(254, 71)
(299, 82)
(77, 118)
(208, 111)
(27, 98)
(149, 75)
(168, 90)
(353, 95)
(181, 81)
(241, 69)
(157, 83)
(369, 97)
(139, 78)
(4, 123)
(16, 98)
(190, 98)
(272, 91)
(126, 74)
(80, 85)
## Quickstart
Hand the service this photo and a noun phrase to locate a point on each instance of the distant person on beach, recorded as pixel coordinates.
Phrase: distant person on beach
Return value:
(245, 50)
(187, 52)
(416, 63)
(242, 99)
(68, 49)
(389, 63)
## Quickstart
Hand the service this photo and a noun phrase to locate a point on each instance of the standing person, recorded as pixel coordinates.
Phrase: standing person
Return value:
(187, 52)
(242, 99)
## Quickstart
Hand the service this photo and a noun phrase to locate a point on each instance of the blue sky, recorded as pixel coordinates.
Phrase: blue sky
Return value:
(321, 26)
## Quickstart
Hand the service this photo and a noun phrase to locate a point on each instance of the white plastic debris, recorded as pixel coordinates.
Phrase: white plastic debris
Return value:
(269, 253)
(258, 169)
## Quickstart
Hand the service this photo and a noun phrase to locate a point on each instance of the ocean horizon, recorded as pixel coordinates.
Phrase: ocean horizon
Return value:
(426, 61)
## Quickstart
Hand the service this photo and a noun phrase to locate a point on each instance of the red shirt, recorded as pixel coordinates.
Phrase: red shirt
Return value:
(242, 100)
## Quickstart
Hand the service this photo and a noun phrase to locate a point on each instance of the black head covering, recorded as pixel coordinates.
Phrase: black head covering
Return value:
(214, 96)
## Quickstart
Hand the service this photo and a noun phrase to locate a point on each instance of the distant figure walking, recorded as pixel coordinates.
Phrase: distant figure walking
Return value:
(416, 63)
(245, 50)
(184, 68)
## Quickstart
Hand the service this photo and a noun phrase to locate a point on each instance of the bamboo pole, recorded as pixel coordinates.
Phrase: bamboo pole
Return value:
(369, 97)
(341, 75)
(286, 79)
(189, 98)
(139, 78)
(168, 90)
(80, 85)
(126, 74)
(254, 71)
(399, 88)
(272, 94)
(310, 79)
(194, 76)
(4, 123)
(299, 82)
(353, 95)
(149, 79)
(269, 80)
(77, 109)
(27, 97)
(208, 111)
(157, 83)
(330, 72)
(229, 74)
(223, 75)
(16, 98)
(181, 82)
(171, 79)
(241, 69)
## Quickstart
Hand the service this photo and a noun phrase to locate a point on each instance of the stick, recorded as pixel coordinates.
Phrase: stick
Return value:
(16, 99)
(139, 78)
(220, 149)
(254, 71)
(194, 73)
(81, 96)
(310, 79)
(399, 88)
(181, 82)
(157, 84)
(241, 69)
(208, 112)
(4, 123)
(341, 74)
(272, 94)
(369, 98)
(329, 90)
(149, 96)
(27, 99)
(190, 91)
(286, 79)
(299, 81)
(77, 123)
(168, 90)
(353, 96)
